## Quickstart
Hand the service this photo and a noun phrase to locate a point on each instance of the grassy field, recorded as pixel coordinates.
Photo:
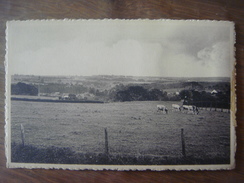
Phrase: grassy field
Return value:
(135, 129)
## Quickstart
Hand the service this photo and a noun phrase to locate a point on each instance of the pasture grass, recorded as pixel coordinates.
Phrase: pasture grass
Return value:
(137, 134)
(57, 155)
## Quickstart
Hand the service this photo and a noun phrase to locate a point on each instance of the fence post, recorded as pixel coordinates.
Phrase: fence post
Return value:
(183, 142)
(22, 134)
(106, 141)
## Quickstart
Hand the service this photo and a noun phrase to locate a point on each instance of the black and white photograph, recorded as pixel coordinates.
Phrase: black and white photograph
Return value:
(120, 94)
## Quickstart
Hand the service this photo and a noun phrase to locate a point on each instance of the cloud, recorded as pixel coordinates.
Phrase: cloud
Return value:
(147, 48)
(124, 57)
(216, 58)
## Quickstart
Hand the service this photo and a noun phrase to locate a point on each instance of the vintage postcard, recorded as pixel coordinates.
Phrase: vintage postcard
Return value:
(120, 94)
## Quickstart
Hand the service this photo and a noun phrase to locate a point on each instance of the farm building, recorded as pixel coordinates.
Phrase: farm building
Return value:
(68, 97)
(214, 92)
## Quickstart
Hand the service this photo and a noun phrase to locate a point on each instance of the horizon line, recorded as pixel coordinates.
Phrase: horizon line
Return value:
(122, 76)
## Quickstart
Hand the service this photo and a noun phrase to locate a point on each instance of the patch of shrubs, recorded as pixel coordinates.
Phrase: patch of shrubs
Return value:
(56, 155)
(139, 93)
(23, 89)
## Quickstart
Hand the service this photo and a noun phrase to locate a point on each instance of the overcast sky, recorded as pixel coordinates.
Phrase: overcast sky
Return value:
(136, 48)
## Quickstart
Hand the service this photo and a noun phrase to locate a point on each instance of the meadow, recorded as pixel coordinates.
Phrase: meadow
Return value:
(135, 129)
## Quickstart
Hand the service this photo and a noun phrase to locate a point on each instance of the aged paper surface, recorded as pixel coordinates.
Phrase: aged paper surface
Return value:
(120, 94)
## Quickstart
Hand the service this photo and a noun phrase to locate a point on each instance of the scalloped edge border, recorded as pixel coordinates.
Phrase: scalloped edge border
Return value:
(233, 110)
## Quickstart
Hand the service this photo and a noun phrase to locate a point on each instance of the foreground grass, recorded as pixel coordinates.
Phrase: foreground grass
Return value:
(55, 155)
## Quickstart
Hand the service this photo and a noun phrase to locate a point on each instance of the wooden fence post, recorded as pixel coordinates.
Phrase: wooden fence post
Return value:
(22, 134)
(183, 142)
(106, 141)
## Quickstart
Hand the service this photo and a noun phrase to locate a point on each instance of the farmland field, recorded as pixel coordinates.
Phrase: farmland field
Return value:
(134, 128)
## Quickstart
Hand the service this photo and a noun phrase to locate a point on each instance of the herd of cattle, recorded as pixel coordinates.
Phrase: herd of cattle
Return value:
(175, 107)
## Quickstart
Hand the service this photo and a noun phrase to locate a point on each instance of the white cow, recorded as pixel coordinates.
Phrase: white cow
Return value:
(176, 107)
(190, 108)
(162, 108)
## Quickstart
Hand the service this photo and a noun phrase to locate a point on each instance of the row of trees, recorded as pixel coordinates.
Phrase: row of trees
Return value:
(196, 96)
(126, 93)
(23, 89)
(138, 93)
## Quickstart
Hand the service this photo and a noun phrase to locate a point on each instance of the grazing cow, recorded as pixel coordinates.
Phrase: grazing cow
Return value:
(162, 108)
(190, 108)
(176, 107)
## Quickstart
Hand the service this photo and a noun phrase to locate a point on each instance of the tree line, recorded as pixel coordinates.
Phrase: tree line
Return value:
(124, 93)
